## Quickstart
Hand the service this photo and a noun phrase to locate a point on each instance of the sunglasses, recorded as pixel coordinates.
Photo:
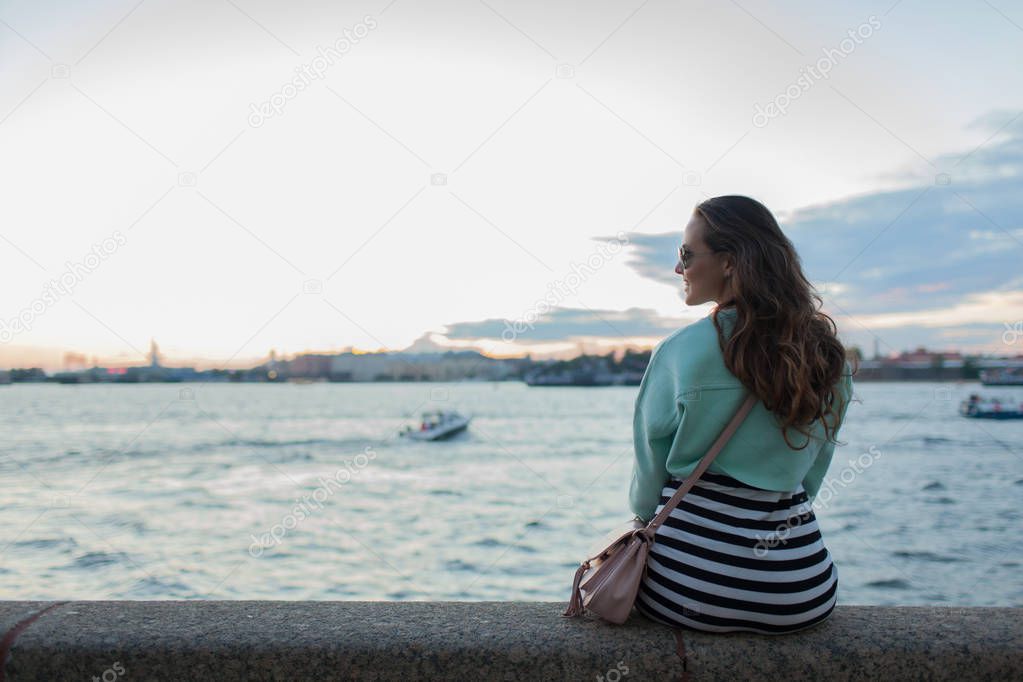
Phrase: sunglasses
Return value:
(686, 256)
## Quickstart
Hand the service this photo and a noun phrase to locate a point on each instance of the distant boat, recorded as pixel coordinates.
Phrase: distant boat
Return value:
(991, 408)
(570, 378)
(436, 425)
(582, 377)
(1003, 376)
(70, 378)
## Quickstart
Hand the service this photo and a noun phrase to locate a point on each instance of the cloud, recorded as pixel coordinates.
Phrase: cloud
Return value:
(934, 243)
(654, 256)
(568, 324)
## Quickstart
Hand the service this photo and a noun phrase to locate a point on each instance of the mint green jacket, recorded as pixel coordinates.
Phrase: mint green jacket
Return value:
(686, 398)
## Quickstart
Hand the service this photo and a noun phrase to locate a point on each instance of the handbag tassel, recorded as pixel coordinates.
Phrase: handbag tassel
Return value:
(575, 604)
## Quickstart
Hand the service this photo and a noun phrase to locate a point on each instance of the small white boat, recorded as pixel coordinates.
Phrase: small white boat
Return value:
(991, 408)
(437, 425)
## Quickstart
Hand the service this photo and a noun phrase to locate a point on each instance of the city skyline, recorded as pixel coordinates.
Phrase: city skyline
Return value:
(424, 347)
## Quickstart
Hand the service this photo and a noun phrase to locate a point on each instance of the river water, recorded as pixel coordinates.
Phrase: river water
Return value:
(284, 491)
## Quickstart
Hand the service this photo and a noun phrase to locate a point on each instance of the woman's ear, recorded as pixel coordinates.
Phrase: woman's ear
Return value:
(729, 265)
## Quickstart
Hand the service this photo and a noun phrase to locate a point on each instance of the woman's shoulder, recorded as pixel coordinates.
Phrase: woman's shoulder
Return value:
(691, 355)
(691, 336)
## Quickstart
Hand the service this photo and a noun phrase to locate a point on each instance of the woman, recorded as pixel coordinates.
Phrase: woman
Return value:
(742, 551)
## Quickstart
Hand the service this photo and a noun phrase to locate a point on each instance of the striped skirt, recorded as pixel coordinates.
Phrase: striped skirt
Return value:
(732, 557)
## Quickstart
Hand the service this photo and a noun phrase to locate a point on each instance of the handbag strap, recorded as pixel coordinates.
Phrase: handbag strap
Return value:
(726, 434)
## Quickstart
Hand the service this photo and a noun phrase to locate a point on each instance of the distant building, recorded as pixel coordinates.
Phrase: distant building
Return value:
(447, 366)
(154, 355)
(924, 365)
(308, 366)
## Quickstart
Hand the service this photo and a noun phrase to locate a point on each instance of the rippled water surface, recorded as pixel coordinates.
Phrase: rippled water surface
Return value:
(252, 491)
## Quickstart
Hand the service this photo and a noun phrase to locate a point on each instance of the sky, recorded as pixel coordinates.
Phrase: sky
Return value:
(233, 176)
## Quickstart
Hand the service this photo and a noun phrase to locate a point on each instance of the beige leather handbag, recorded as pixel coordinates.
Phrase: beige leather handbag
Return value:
(607, 583)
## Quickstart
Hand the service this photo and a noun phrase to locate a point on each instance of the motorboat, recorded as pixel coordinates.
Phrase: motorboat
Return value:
(436, 425)
(1001, 407)
(1005, 376)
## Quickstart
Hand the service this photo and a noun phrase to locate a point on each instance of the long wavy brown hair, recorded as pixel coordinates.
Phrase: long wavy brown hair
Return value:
(783, 347)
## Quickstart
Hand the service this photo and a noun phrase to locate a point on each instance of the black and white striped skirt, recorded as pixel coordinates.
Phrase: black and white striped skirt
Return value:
(732, 557)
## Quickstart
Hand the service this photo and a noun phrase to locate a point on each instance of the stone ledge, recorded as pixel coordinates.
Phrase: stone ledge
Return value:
(384, 640)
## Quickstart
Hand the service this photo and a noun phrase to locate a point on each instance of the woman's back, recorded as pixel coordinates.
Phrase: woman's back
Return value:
(685, 399)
